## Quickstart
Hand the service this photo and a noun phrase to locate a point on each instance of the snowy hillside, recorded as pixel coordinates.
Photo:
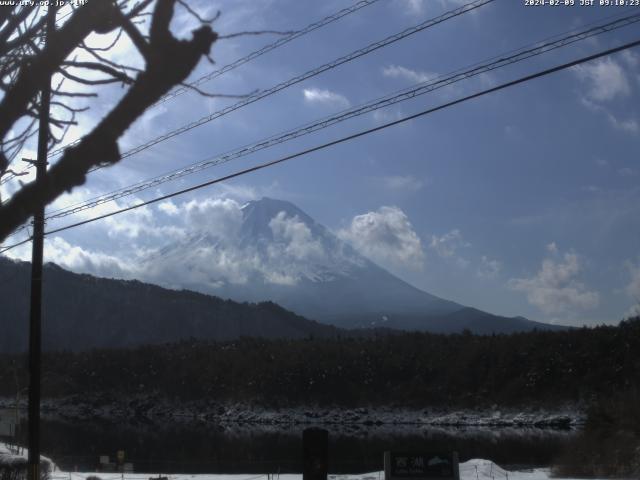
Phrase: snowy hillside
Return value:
(271, 250)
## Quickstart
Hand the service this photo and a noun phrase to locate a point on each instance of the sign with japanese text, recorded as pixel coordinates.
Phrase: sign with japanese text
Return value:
(416, 466)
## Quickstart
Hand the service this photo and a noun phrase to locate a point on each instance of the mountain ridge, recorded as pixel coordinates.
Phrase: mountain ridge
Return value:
(299, 280)
(320, 276)
(81, 312)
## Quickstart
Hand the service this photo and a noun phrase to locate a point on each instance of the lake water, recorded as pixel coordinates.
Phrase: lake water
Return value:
(205, 448)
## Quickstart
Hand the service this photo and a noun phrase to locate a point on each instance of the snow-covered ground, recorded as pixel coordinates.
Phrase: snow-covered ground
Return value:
(9, 457)
(476, 469)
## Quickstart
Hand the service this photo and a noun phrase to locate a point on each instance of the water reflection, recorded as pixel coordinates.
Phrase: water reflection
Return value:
(200, 447)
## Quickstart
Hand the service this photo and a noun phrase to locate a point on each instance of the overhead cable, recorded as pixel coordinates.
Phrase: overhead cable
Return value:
(347, 138)
(403, 95)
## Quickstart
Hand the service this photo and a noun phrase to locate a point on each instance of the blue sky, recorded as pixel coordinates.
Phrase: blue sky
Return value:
(523, 202)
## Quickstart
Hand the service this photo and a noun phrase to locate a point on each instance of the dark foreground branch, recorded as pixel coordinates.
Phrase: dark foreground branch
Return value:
(169, 63)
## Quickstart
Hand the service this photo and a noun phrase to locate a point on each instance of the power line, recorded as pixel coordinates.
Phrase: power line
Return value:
(293, 81)
(347, 138)
(425, 87)
(267, 48)
(237, 63)
(305, 76)
(403, 95)
(11, 247)
(255, 54)
(309, 74)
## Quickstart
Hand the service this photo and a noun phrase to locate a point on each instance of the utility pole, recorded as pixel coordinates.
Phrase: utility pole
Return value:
(35, 327)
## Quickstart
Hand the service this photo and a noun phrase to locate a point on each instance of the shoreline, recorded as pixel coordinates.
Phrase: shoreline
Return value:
(144, 408)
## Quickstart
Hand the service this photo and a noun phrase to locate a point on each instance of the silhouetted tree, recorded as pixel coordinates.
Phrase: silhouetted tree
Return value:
(27, 62)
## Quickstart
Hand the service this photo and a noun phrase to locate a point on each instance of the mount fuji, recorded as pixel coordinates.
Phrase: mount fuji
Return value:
(270, 250)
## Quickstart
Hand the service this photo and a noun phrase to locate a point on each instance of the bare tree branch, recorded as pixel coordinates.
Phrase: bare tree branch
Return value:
(123, 77)
(136, 37)
(76, 94)
(13, 23)
(106, 61)
(217, 95)
(23, 38)
(135, 11)
(85, 81)
(104, 49)
(17, 174)
(170, 62)
(68, 108)
(93, 16)
(197, 16)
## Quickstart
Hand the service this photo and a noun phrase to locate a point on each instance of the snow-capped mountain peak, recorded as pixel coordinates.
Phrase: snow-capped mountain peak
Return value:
(270, 249)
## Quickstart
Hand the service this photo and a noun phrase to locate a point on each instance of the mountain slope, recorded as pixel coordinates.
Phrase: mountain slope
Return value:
(283, 255)
(82, 312)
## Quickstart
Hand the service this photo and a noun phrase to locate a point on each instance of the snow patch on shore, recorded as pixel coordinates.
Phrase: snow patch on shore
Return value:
(11, 457)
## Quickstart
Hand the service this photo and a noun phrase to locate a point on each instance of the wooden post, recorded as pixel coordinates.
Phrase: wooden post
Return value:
(315, 443)
(35, 316)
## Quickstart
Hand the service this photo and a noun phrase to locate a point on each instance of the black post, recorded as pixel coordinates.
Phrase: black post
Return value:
(35, 329)
(315, 444)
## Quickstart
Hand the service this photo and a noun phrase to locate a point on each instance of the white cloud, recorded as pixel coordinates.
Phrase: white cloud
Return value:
(243, 193)
(626, 172)
(629, 125)
(633, 288)
(217, 252)
(488, 268)
(320, 96)
(78, 259)
(555, 288)
(220, 217)
(448, 245)
(513, 132)
(386, 236)
(214, 255)
(208, 264)
(402, 183)
(418, 7)
(414, 6)
(414, 76)
(294, 238)
(169, 208)
(389, 114)
(630, 58)
(633, 311)
(203, 266)
(133, 224)
(606, 80)
(146, 126)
